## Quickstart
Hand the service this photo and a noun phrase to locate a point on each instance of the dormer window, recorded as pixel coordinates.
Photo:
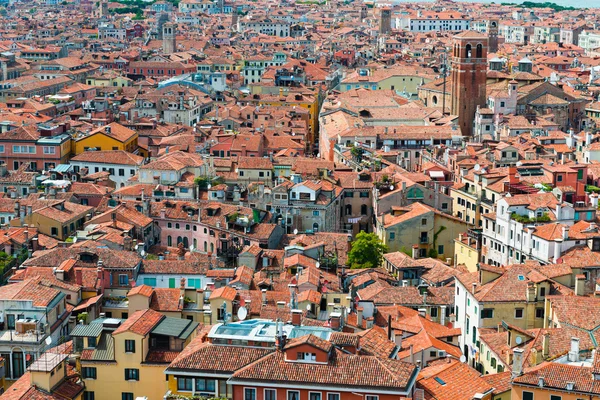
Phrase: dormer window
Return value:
(302, 356)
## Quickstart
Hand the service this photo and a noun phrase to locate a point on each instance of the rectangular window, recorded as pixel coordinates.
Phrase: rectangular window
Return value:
(194, 283)
(434, 312)
(150, 282)
(49, 150)
(518, 313)
(132, 374)
(314, 395)
(364, 194)
(249, 394)
(392, 235)
(88, 372)
(487, 313)
(316, 213)
(539, 313)
(129, 346)
(126, 396)
(270, 394)
(332, 396)
(88, 396)
(348, 194)
(293, 395)
(123, 280)
(184, 384)
(205, 385)
(121, 172)
(555, 397)
(527, 395)
(371, 397)
(91, 342)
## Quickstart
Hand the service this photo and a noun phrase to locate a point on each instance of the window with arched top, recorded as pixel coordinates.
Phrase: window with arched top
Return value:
(348, 209)
(468, 50)
(479, 50)
(435, 100)
(363, 209)
(315, 227)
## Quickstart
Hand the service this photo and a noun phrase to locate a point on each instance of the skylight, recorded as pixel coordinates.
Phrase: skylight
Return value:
(440, 381)
(521, 278)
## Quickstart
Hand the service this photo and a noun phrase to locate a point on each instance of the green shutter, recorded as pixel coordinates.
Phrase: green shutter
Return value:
(150, 282)
(172, 283)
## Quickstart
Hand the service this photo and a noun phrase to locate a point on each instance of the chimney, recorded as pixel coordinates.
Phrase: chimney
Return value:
(580, 285)
(594, 200)
(280, 304)
(442, 315)
(558, 211)
(512, 176)
(415, 251)
(264, 297)
(565, 232)
(412, 355)
(26, 235)
(573, 355)
(546, 345)
(531, 292)
(29, 210)
(557, 250)
(163, 213)
(336, 320)
(474, 287)
(127, 243)
(78, 276)
(17, 209)
(359, 316)
(517, 363)
(404, 282)
(422, 312)
(541, 381)
(296, 317)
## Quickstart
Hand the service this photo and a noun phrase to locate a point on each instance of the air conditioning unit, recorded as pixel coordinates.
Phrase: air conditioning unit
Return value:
(441, 353)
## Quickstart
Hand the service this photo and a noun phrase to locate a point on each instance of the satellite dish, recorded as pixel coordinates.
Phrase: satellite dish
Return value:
(143, 253)
(295, 231)
(242, 313)
(209, 186)
(477, 167)
(519, 340)
(463, 359)
(317, 264)
(308, 307)
(49, 340)
(391, 187)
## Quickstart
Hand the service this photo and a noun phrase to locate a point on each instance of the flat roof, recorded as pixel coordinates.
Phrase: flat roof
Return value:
(263, 330)
(47, 362)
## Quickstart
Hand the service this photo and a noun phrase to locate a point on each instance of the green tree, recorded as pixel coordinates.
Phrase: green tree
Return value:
(367, 251)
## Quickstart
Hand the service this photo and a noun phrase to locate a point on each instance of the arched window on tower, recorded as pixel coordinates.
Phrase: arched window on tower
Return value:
(479, 51)
(468, 51)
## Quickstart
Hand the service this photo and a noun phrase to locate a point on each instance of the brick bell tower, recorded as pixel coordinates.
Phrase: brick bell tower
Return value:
(492, 30)
(469, 68)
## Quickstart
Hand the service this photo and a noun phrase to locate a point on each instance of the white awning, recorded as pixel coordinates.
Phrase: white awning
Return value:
(436, 174)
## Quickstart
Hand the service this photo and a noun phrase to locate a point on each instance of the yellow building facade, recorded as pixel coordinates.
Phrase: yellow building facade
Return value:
(128, 358)
(110, 137)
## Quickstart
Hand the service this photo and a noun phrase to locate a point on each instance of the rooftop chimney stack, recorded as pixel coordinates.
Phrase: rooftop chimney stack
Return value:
(573, 355)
